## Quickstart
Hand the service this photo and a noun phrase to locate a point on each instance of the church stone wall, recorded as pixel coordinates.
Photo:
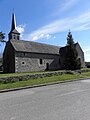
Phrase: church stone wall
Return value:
(8, 59)
(80, 55)
(36, 62)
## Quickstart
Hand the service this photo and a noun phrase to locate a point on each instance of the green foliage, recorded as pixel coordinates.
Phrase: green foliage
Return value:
(70, 41)
(71, 61)
(2, 37)
(71, 57)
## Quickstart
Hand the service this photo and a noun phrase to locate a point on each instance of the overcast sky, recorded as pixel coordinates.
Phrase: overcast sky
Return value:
(48, 21)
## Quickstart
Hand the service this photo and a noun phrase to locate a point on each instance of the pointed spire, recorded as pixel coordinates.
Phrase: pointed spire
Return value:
(13, 34)
(13, 22)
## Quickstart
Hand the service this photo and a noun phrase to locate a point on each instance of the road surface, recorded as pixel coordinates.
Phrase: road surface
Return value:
(67, 101)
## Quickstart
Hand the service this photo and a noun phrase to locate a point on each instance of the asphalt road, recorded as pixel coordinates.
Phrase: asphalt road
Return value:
(67, 101)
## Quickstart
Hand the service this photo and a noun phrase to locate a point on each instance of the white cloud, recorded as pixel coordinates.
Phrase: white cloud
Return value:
(35, 38)
(48, 36)
(87, 54)
(40, 36)
(77, 23)
(21, 29)
(66, 5)
(87, 50)
(87, 57)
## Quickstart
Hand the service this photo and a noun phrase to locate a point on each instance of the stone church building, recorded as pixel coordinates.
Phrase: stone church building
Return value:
(22, 56)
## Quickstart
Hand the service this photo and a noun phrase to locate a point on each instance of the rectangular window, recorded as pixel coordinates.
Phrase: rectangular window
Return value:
(24, 53)
(59, 61)
(41, 61)
(17, 37)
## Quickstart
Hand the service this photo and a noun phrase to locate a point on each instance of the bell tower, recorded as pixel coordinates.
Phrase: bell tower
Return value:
(13, 34)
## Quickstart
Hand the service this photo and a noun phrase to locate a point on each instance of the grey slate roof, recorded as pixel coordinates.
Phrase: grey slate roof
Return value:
(65, 47)
(34, 47)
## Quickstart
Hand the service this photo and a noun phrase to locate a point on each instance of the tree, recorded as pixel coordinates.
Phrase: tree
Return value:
(70, 41)
(2, 36)
(71, 57)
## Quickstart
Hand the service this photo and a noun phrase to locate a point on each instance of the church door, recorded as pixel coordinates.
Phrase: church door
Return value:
(47, 66)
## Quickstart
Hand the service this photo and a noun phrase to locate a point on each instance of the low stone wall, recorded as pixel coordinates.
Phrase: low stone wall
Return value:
(33, 76)
(29, 76)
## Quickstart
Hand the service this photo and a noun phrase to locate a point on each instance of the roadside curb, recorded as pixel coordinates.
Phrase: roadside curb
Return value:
(41, 85)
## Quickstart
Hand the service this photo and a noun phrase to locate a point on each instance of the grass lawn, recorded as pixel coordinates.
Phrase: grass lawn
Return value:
(87, 74)
(32, 82)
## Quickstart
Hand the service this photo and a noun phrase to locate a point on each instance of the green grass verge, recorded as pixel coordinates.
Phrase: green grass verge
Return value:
(87, 74)
(32, 82)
